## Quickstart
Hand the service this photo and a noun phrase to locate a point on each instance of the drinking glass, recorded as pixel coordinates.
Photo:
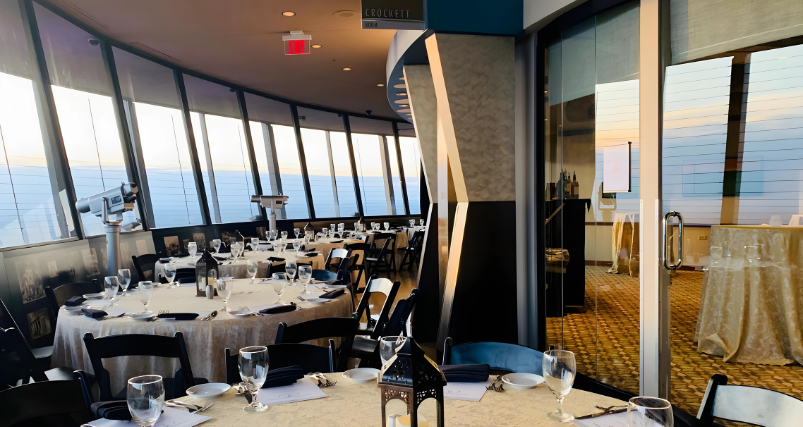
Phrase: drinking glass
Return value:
(272, 235)
(559, 370)
(341, 228)
(224, 287)
(279, 283)
(412, 223)
(145, 398)
(284, 235)
(325, 232)
(252, 268)
(254, 243)
(170, 273)
(124, 277)
(111, 285)
(421, 221)
(216, 244)
(253, 370)
(290, 269)
(297, 231)
(283, 241)
(387, 226)
(388, 346)
(192, 248)
(305, 274)
(649, 412)
(296, 244)
(145, 294)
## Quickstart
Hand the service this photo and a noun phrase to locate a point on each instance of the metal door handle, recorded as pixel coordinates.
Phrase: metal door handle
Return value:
(680, 240)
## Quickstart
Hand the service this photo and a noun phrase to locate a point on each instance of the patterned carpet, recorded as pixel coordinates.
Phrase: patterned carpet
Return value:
(606, 341)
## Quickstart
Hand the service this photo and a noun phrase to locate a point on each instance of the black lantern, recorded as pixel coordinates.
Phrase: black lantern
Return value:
(206, 273)
(412, 377)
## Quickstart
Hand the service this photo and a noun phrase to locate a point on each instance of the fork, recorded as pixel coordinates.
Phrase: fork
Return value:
(183, 405)
(326, 382)
(494, 387)
(210, 316)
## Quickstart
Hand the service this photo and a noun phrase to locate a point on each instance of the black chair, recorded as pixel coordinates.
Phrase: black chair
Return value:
(367, 349)
(19, 365)
(42, 354)
(342, 327)
(360, 266)
(51, 404)
(324, 275)
(56, 296)
(753, 405)
(183, 273)
(335, 254)
(141, 345)
(275, 268)
(310, 357)
(374, 264)
(375, 325)
(144, 264)
(411, 253)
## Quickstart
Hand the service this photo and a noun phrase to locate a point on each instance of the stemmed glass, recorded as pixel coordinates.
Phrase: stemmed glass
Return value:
(325, 232)
(412, 223)
(421, 221)
(224, 287)
(305, 274)
(216, 244)
(297, 231)
(649, 412)
(254, 243)
(192, 248)
(283, 242)
(290, 269)
(252, 267)
(271, 235)
(296, 244)
(124, 277)
(284, 235)
(341, 228)
(170, 273)
(145, 294)
(559, 371)
(279, 283)
(387, 226)
(253, 371)
(111, 285)
(388, 346)
(145, 398)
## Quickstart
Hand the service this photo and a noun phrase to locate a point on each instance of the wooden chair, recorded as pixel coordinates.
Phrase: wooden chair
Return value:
(51, 403)
(375, 325)
(58, 295)
(411, 253)
(753, 405)
(335, 254)
(141, 345)
(144, 264)
(374, 264)
(360, 266)
(42, 354)
(19, 365)
(342, 327)
(310, 357)
(367, 348)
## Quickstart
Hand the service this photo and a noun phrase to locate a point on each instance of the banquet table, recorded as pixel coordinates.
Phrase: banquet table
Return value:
(205, 340)
(324, 245)
(356, 405)
(401, 237)
(238, 269)
(751, 307)
(625, 244)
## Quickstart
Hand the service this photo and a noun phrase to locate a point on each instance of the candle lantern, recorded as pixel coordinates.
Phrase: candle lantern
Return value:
(206, 273)
(412, 377)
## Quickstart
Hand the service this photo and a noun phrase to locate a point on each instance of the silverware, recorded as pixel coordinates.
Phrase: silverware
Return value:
(610, 408)
(178, 404)
(164, 311)
(325, 382)
(204, 408)
(599, 414)
(494, 387)
(210, 316)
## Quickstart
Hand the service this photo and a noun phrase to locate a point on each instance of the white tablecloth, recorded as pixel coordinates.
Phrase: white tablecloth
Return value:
(205, 340)
(238, 269)
(325, 245)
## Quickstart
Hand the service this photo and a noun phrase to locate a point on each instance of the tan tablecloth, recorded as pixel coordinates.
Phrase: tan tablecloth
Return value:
(751, 309)
(205, 340)
(356, 405)
(325, 245)
(401, 238)
(239, 268)
(625, 244)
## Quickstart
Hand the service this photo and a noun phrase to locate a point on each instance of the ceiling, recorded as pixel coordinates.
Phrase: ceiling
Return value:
(240, 41)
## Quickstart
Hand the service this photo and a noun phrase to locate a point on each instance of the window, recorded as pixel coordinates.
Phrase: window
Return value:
(161, 147)
(393, 161)
(222, 151)
(373, 166)
(411, 159)
(346, 197)
(290, 172)
(262, 112)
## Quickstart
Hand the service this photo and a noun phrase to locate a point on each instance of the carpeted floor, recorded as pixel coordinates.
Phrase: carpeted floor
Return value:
(606, 341)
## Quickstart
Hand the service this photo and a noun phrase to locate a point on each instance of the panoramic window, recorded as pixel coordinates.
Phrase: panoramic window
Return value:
(346, 197)
(398, 195)
(411, 160)
(373, 169)
(290, 171)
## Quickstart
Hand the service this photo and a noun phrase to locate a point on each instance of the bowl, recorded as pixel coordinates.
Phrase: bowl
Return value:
(522, 381)
(361, 375)
(73, 310)
(208, 390)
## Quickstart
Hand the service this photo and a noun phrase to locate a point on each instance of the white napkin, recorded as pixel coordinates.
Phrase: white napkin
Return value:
(307, 297)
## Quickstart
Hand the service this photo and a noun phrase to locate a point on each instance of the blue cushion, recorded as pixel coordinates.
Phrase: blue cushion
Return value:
(501, 356)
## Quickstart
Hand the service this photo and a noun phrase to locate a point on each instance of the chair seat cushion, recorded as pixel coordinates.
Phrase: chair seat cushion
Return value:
(43, 352)
(59, 374)
(363, 347)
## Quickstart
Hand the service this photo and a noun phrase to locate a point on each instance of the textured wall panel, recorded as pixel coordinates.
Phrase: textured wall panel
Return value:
(423, 104)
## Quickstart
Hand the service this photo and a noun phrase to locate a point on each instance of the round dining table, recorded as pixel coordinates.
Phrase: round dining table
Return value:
(205, 340)
(238, 269)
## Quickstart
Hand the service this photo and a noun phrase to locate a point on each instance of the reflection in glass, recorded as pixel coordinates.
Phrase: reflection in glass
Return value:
(411, 160)
(370, 170)
(319, 170)
(397, 201)
(290, 171)
(346, 197)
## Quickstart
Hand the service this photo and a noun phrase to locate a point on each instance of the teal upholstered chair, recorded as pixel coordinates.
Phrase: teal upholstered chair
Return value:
(501, 356)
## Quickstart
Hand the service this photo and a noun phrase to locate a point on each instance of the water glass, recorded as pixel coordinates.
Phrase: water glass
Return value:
(279, 283)
(341, 228)
(110, 285)
(254, 243)
(224, 287)
(216, 244)
(296, 244)
(145, 397)
(412, 223)
(124, 277)
(649, 412)
(325, 232)
(284, 235)
(272, 235)
(290, 269)
(387, 226)
(297, 231)
(283, 244)
(252, 268)
(421, 221)
(559, 370)
(145, 294)
(170, 273)
(192, 248)
(388, 346)
(305, 274)
(253, 363)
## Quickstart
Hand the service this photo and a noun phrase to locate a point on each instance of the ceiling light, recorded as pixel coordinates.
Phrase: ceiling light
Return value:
(345, 13)
(347, 69)
(288, 14)
(381, 85)
(401, 94)
(316, 46)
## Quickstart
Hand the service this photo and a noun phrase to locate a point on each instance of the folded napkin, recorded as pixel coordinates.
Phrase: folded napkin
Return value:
(303, 248)
(164, 260)
(224, 250)
(186, 280)
(311, 254)
(219, 258)
(283, 376)
(465, 373)
(112, 410)
(181, 255)
(279, 309)
(275, 259)
(178, 316)
(336, 241)
(74, 301)
(289, 246)
(93, 313)
(333, 294)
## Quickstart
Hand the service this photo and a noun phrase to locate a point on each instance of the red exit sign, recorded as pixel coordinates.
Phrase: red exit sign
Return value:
(296, 47)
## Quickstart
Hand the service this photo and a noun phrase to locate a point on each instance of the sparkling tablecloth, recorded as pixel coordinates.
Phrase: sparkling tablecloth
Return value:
(625, 244)
(355, 405)
(239, 269)
(205, 340)
(751, 309)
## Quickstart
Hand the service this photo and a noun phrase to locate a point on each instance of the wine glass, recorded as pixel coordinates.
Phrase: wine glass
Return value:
(254, 243)
(253, 363)
(559, 370)
(145, 294)
(279, 283)
(297, 231)
(224, 287)
(296, 244)
(284, 235)
(145, 398)
(170, 273)
(192, 248)
(124, 277)
(341, 228)
(305, 274)
(216, 244)
(111, 284)
(421, 221)
(649, 412)
(387, 226)
(272, 235)
(325, 232)
(388, 346)
(283, 244)
(412, 223)
(252, 268)
(290, 269)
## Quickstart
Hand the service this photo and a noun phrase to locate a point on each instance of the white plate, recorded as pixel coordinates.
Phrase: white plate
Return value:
(73, 310)
(361, 375)
(241, 313)
(318, 301)
(95, 296)
(522, 381)
(142, 317)
(208, 390)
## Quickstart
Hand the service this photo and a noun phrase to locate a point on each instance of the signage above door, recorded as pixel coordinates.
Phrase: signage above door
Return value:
(393, 14)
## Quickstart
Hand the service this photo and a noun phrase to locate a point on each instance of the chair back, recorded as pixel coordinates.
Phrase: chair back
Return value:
(364, 247)
(183, 273)
(323, 275)
(339, 253)
(501, 356)
(275, 268)
(6, 319)
(390, 238)
(381, 286)
(346, 267)
(24, 366)
(56, 296)
(48, 403)
(753, 405)
(144, 264)
(401, 313)
(138, 345)
(412, 245)
(310, 357)
(341, 327)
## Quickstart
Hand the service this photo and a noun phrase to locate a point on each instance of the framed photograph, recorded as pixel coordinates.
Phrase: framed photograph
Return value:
(39, 324)
(200, 240)
(171, 245)
(30, 281)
